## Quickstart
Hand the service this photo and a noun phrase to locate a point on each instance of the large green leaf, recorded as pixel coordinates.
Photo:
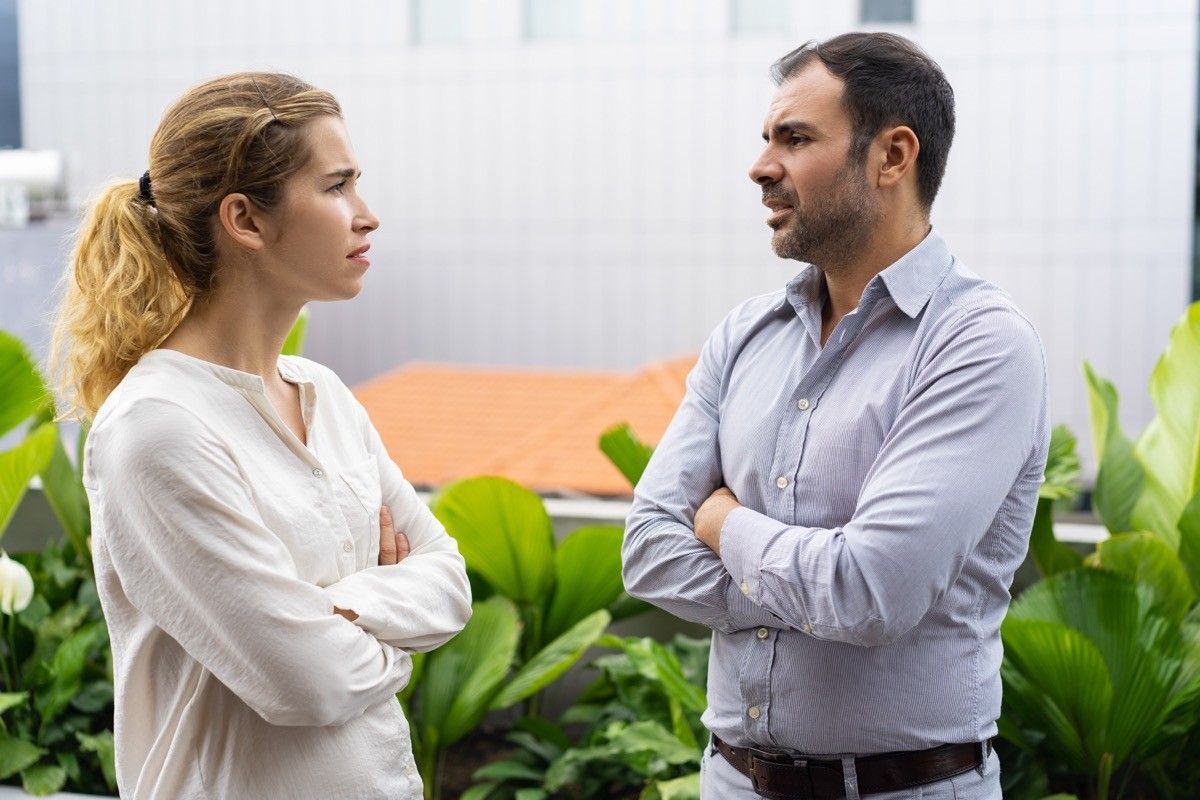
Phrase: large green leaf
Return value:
(1169, 447)
(1056, 680)
(503, 533)
(587, 569)
(1148, 560)
(1050, 555)
(461, 677)
(294, 344)
(1120, 477)
(19, 465)
(22, 391)
(628, 453)
(16, 754)
(1141, 649)
(552, 660)
(43, 780)
(62, 485)
(1189, 540)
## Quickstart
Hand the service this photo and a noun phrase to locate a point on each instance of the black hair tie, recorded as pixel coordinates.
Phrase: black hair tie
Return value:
(144, 188)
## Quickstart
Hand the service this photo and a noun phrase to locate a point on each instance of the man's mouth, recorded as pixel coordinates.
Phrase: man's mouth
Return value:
(779, 212)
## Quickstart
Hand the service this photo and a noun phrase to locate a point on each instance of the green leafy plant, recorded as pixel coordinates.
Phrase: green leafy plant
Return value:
(1102, 659)
(641, 732)
(539, 607)
(56, 704)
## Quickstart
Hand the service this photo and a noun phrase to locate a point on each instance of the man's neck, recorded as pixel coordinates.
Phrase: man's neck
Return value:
(845, 282)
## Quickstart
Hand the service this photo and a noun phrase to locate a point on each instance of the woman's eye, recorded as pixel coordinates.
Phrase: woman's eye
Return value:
(338, 188)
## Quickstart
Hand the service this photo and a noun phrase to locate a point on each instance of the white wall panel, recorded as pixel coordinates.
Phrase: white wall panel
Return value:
(585, 202)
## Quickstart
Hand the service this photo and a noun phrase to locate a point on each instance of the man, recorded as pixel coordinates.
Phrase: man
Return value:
(849, 484)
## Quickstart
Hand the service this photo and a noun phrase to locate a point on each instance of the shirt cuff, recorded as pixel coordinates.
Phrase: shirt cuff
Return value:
(745, 536)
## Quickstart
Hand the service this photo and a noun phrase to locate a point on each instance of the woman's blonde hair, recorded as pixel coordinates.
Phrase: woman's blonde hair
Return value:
(147, 250)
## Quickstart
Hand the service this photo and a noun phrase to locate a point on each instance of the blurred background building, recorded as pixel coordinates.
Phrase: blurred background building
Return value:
(562, 183)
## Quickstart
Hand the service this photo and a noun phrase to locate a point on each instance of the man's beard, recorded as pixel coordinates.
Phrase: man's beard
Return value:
(830, 232)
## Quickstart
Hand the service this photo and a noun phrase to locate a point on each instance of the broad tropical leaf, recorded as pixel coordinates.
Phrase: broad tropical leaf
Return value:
(1120, 477)
(658, 663)
(587, 568)
(461, 677)
(19, 465)
(1189, 540)
(503, 533)
(22, 391)
(1049, 554)
(1141, 650)
(1149, 561)
(1056, 680)
(552, 660)
(294, 344)
(627, 453)
(63, 488)
(1169, 447)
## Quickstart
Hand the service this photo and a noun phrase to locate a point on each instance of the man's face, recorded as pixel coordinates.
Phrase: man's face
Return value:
(823, 209)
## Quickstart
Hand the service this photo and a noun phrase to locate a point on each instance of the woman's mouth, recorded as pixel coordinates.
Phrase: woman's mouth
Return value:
(359, 256)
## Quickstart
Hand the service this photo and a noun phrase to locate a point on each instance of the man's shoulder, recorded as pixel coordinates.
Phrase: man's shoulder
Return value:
(965, 298)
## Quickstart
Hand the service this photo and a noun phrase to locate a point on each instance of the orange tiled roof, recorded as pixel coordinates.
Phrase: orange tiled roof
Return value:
(538, 427)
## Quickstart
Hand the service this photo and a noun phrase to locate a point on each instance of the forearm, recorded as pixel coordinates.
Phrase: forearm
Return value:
(666, 566)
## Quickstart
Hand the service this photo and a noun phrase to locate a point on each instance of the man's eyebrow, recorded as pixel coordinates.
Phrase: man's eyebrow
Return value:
(348, 172)
(790, 126)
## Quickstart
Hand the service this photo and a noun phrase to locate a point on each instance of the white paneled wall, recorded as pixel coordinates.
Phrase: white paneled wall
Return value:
(584, 202)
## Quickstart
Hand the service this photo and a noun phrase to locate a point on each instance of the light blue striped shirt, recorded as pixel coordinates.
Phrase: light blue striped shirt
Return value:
(888, 483)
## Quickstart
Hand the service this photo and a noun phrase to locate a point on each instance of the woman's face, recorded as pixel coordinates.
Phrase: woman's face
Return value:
(317, 250)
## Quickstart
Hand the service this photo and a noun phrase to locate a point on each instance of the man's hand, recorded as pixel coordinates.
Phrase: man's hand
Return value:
(710, 517)
(393, 545)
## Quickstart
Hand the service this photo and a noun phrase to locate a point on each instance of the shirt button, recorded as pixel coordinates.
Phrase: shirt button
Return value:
(806, 628)
(802, 404)
(781, 482)
(318, 472)
(348, 547)
(763, 633)
(745, 587)
(754, 712)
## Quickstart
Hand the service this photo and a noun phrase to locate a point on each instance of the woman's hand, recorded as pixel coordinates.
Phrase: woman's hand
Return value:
(393, 545)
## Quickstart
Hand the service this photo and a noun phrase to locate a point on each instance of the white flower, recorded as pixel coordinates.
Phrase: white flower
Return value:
(16, 585)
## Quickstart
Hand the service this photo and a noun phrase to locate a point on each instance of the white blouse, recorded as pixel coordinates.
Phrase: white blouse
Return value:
(222, 545)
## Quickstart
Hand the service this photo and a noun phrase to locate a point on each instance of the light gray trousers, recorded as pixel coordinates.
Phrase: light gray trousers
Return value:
(720, 781)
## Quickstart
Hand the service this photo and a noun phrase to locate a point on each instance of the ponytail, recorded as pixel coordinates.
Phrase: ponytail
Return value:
(121, 299)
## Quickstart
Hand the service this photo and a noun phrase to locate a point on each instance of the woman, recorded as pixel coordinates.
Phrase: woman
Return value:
(261, 607)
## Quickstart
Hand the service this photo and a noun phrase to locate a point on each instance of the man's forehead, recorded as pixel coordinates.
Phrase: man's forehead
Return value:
(813, 94)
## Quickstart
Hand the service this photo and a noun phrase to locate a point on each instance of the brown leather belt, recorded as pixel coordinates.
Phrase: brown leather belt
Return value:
(782, 776)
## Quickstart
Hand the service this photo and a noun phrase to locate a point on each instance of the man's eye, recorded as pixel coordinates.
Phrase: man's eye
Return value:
(800, 139)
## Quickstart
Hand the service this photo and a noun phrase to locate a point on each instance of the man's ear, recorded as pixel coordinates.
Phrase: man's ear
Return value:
(242, 221)
(899, 147)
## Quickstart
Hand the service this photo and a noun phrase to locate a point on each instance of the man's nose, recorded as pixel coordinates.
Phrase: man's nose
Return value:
(766, 170)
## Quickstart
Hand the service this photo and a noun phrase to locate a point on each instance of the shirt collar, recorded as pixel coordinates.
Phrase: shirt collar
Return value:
(910, 281)
(233, 377)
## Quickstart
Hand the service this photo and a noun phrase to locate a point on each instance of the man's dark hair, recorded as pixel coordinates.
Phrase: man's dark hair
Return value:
(888, 81)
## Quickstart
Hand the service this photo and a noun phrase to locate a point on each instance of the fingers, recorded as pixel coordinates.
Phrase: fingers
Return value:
(402, 546)
(387, 539)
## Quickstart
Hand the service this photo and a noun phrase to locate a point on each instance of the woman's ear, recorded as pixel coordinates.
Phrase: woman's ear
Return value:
(242, 221)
